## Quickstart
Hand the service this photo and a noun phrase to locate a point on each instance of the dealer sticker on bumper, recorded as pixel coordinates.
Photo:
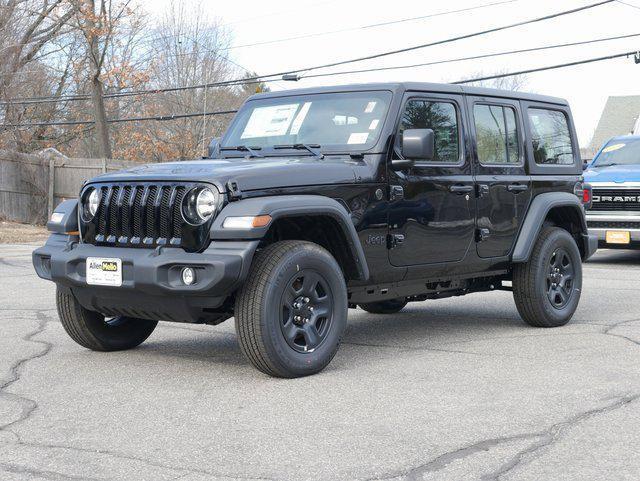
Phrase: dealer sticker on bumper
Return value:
(104, 271)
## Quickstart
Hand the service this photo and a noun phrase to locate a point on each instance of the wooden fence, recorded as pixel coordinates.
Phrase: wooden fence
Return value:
(32, 185)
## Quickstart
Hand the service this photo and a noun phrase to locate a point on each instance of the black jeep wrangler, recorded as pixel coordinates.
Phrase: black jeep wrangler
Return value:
(322, 199)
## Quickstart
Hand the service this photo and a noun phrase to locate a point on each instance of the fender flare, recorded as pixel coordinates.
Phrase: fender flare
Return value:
(536, 215)
(281, 206)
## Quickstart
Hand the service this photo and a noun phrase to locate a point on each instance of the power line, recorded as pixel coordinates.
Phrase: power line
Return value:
(225, 112)
(364, 27)
(160, 118)
(266, 78)
(451, 39)
(474, 57)
(132, 93)
(628, 4)
(550, 67)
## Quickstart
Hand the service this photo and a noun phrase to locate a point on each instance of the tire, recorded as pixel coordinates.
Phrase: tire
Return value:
(543, 298)
(91, 330)
(384, 307)
(277, 331)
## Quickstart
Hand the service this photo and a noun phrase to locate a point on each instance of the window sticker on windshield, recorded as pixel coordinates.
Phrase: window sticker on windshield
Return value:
(269, 121)
(358, 138)
(613, 147)
(370, 106)
(297, 122)
(374, 124)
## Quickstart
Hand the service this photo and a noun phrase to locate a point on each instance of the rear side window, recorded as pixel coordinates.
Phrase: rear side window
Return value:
(550, 137)
(442, 118)
(496, 134)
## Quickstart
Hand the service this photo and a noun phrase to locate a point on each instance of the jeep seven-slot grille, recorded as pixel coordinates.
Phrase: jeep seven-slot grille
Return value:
(145, 215)
(616, 199)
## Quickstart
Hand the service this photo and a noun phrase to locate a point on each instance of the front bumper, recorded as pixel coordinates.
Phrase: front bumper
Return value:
(598, 225)
(151, 282)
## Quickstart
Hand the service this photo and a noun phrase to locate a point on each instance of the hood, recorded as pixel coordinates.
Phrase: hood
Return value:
(250, 174)
(615, 173)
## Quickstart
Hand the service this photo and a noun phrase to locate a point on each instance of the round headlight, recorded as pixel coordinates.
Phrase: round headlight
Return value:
(91, 203)
(206, 203)
(200, 205)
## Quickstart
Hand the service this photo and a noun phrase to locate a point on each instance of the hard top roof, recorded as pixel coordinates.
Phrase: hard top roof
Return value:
(418, 86)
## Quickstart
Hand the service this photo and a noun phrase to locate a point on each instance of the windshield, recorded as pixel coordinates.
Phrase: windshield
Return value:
(331, 122)
(619, 152)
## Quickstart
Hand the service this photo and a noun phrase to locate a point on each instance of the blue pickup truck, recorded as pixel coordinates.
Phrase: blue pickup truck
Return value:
(614, 174)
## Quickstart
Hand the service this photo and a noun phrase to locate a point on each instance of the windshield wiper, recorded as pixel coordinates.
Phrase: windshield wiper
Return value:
(610, 164)
(244, 148)
(310, 147)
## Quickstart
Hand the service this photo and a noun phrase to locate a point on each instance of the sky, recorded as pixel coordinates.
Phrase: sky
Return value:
(586, 87)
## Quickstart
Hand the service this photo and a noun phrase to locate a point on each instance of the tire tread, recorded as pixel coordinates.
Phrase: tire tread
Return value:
(529, 301)
(248, 314)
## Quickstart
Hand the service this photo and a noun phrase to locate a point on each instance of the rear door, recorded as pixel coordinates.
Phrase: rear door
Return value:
(502, 183)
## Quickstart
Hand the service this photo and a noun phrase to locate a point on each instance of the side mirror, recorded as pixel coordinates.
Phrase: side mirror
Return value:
(585, 165)
(214, 148)
(418, 144)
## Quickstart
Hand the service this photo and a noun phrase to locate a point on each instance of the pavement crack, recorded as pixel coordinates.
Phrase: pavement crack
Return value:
(553, 434)
(28, 405)
(180, 471)
(540, 440)
(44, 474)
(607, 331)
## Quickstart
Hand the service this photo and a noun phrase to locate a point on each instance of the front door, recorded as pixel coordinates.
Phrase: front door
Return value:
(503, 187)
(431, 214)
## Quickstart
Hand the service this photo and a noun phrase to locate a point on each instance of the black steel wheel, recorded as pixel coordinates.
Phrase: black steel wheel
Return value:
(560, 273)
(291, 312)
(547, 288)
(307, 310)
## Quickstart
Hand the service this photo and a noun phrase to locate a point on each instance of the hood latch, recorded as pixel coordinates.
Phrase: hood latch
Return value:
(233, 190)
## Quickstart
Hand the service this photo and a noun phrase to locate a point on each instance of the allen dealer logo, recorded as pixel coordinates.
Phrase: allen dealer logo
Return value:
(109, 266)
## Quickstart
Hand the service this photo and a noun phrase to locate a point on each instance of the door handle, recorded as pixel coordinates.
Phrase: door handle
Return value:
(460, 189)
(517, 188)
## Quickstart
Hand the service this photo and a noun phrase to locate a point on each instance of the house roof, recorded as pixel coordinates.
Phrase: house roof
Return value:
(619, 117)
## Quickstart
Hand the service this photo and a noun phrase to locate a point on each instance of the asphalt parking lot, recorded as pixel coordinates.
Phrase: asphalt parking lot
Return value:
(449, 390)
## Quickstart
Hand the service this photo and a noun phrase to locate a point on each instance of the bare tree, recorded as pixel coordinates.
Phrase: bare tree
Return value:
(510, 82)
(191, 50)
(99, 22)
(28, 30)
(61, 48)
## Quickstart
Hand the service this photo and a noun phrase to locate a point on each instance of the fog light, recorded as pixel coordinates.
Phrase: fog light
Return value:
(188, 276)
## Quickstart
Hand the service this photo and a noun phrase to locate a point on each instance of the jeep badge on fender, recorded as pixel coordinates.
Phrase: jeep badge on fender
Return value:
(322, 199)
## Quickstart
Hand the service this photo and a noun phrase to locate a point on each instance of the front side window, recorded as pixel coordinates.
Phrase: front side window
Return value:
(496, 134)
(442, 118)
(550, 137)
(335, 121)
